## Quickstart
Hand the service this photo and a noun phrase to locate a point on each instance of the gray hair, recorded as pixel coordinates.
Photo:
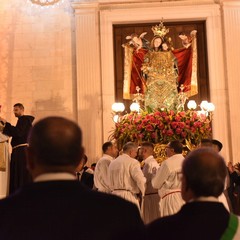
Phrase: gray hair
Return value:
(129, 146)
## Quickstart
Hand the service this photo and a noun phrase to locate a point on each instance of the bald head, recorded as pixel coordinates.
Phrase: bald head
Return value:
(204, 173)
(55, 143)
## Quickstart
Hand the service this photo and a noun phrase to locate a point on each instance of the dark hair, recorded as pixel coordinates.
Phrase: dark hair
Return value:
(218, 143)
(205, 172)
(206, 142)
(19, 105)
(147, 144)
(56, 141)
(176, 146)
(106, 145)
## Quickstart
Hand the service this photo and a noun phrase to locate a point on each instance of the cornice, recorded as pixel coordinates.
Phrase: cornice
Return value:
(106, 4)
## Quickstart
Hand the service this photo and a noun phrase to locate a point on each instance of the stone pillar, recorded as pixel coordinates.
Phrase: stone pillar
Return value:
(89, 100)
(231, 23)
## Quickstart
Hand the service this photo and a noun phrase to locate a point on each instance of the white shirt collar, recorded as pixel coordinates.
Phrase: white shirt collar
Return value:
(54, 177)
(148, 159)
(205, 199)
(107, 156)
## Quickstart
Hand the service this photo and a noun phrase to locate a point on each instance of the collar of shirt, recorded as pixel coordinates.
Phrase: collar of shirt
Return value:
(107, 156)
(54, 177)
(205, 199)
(148, 159)
(176, 156)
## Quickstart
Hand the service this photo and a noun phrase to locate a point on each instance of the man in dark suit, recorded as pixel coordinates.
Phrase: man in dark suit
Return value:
(202, 217)
(56, 206)
(84, 177)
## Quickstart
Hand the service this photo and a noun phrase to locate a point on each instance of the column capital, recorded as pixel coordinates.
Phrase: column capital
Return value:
(85, 6)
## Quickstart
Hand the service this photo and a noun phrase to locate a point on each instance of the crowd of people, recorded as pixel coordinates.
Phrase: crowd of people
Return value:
(120, 197)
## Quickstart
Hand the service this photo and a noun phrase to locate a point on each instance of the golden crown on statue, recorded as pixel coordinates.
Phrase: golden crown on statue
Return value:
(160, 30)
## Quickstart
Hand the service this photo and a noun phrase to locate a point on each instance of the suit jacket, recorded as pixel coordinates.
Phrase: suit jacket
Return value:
(66, 210)
(87, 179)
(195, 220)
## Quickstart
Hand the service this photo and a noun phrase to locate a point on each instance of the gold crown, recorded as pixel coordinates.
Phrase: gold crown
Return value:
(160, 30)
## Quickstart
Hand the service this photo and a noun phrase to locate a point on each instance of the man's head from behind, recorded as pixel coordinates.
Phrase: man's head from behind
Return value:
(55, 145)
(174, 147)
(204, 173)
(110, 149)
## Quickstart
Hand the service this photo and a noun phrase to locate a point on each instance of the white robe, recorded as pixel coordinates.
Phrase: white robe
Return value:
(168, 183)
(101, 180)
(5, 159)
(151, 198)
(126, 178)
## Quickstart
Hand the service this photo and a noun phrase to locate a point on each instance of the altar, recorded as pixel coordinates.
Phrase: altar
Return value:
(95, 22)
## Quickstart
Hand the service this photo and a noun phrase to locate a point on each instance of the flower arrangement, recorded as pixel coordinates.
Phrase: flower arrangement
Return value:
(162, 127)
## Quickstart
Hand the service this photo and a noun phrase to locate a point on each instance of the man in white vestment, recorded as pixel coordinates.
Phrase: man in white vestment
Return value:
(168, 180)
(101, 182)
(125, 175)
(151, 198)
(203, 216)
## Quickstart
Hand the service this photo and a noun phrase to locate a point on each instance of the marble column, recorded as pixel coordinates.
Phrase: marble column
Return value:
(89, 100)
(231, 23)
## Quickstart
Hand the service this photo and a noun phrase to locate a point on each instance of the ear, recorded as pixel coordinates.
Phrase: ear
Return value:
(172, 151)
(82, 152)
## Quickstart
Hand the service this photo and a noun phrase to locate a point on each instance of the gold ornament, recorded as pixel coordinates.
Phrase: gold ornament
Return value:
(160, 30)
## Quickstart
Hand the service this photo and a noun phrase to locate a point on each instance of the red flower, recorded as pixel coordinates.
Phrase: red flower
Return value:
(170, 132)
(149, 128)
(174, 125)
(178, 130)
(181, 124)
(184, 134)
(153, 135)
(162, 126)
(178, 118)
(182, 114)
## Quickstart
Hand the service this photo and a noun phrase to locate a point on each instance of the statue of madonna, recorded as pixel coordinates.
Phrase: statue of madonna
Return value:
(162, 70)
(161, 74)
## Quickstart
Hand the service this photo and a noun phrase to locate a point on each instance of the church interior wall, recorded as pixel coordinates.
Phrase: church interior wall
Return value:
(59, 61)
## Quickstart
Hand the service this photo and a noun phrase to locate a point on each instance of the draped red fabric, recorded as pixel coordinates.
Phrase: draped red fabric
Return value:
(184, 61)
(136, 74)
